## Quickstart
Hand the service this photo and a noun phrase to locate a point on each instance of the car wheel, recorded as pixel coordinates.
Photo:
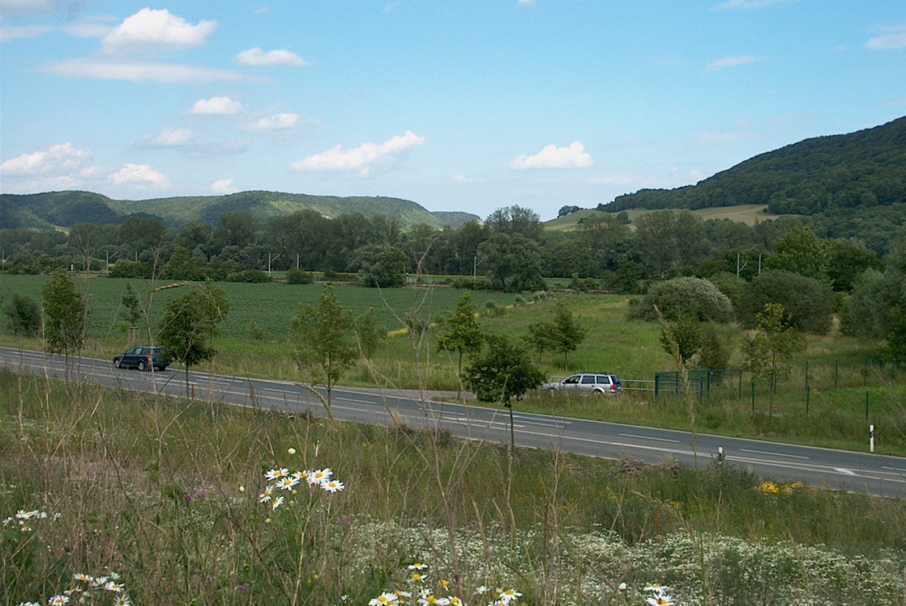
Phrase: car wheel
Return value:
(141, 365)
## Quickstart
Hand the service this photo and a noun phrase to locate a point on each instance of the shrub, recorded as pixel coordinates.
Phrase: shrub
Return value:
(679, 297)
(249, 275)
(297, 276)
(809, 302)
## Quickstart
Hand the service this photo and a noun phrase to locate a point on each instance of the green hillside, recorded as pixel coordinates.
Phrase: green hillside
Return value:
(64, 209)
(859, 170)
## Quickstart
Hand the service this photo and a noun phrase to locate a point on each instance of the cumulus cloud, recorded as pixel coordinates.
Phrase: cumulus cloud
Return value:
(894, 37)
(141, 175)
(62, 158)
(716, 66)
(275, 122)
(150, 29)
(258, 58)
(169, 137)
(367, 158)
(223, 186)
(165, 73)
(216, 106)
(16, 32)
(551, 156)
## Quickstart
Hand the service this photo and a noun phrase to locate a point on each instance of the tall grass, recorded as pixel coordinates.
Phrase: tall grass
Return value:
(165, 492)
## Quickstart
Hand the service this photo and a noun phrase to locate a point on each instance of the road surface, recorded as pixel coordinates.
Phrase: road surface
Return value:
(835, 469)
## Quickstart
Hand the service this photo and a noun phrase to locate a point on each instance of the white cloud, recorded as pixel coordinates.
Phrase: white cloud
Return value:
(20, 8)
(461, 178)
(156, 29)
(87, 29)
(275, 122)
(223, 186)
(551, 156)
(139, 174)
(169, 137)
(62, 158)
(15, 32)
(893, 38)
(259, 58)
(166, 73)
(367, 158)
(217, 106)
(716, 66)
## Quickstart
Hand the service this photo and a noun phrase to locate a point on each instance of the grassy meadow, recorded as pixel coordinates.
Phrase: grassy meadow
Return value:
(119, 497)
(832, 395)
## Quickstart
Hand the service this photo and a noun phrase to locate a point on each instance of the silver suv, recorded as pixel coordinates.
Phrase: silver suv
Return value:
(587, 382)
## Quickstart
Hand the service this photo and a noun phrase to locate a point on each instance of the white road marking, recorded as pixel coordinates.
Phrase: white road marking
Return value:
(774, 454)
(844, 471)
(632, 435)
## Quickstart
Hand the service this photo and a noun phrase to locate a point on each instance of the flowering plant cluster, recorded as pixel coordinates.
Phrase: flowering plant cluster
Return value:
(769, 487)
(281, 479)
(23, 519)
(421, 593)
(90, 589)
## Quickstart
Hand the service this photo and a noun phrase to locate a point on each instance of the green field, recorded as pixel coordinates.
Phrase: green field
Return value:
(830, 399)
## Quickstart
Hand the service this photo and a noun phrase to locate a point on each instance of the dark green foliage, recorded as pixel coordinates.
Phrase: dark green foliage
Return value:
(682, 297)
(382, 266)
(65, 315)
(23, 315)
(323, 338)
(857, 170)
(463, 334)
(297, 276)
(513, 262)
(714, 353)
(809, 302)
(685, 334)
(563, 335)
(846, 261)
(502, 372)
(254, 276)
(369, 333)
(801, 252)
(769, 351)
(190, 324)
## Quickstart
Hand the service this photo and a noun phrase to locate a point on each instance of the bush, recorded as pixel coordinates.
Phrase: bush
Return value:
(297, 276)
(249, 275)
(23, 314)
(809, 302)
(694, 297)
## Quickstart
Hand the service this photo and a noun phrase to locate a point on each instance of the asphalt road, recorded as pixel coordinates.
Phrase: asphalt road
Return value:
(834, 469)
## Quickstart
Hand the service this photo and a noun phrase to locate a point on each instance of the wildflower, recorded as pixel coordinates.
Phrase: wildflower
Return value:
(509, 595)
(267, 494)
(28, 604)
(287, 483)
(276, 474)
(384, 598)
(122, 600)
(319, 476)
(455, 601)
(241, 488)
(427, 599)
(113, 586)
(417, 566)
(82, 577)
(278, 502)
(332, 486)
(59, 600)
(417, 577)
(291, 450)
(482, 589)
(623, 586)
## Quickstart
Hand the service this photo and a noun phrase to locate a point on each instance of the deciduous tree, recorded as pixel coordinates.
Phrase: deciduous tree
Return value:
(463, 334)
(65, 312)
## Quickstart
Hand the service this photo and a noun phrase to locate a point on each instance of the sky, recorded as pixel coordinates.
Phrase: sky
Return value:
(465, 105)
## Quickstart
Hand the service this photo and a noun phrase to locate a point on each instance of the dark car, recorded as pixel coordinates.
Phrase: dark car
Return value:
(587, 382)
(143, 357)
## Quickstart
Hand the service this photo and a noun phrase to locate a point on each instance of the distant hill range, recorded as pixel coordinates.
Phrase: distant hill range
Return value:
(859, 170)
(64, 209)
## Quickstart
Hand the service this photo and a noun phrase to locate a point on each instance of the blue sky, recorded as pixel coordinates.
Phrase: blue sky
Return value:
(467, 105)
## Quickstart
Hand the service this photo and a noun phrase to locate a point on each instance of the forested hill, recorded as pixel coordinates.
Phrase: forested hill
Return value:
(858, 170)
(66, 208)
